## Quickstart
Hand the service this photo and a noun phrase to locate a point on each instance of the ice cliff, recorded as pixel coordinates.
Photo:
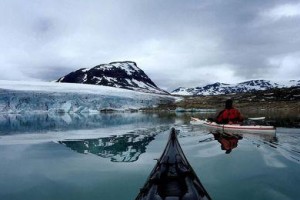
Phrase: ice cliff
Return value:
(22, 97)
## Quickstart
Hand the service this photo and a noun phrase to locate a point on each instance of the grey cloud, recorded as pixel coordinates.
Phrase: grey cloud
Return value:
(195, 41)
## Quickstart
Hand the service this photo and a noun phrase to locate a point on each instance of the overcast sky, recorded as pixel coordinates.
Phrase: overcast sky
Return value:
(177, 43)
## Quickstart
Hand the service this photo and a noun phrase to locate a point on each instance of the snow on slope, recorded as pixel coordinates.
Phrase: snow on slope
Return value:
(18, 97)
(125, 74)
(223, 88)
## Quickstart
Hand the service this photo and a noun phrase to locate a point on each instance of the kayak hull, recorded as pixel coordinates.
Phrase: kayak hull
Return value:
(173, 177)
(234, 128)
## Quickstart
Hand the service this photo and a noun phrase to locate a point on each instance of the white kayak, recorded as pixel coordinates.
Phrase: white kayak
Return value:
(234, 128)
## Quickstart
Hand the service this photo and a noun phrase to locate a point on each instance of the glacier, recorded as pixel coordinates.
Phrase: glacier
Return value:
(23, 97)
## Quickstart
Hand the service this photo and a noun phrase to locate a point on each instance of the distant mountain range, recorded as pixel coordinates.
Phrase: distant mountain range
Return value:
(127, 75)
(123, 74)
(223, 88)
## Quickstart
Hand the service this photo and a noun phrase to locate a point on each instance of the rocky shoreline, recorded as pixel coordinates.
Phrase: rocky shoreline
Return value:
(273, 99)
(281, 107)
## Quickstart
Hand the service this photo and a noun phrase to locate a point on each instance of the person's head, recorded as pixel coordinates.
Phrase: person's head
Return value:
(228, 103)
(228, 151)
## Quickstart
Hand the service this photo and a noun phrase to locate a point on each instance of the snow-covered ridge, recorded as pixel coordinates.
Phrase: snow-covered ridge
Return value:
(18, 97)
(124, 74)
(224, 88)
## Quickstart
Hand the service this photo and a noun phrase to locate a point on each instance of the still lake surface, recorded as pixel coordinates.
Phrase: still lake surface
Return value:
(109, 156)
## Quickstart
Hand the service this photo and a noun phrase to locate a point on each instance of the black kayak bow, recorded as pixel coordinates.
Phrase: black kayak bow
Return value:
(173, 177)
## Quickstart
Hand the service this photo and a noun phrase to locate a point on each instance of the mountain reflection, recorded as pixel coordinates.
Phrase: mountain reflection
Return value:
(119, 148)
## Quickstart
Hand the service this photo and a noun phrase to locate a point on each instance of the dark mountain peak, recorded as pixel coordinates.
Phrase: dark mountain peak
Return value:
(124, 62)
(256, 82)
(82, 69)
(123, 74)
(217, 84)
(121, 64)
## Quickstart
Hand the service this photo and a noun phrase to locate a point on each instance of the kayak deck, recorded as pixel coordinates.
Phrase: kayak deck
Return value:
(173, 177)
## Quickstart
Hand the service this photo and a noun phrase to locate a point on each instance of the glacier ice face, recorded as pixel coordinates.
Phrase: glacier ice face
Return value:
(21, 102)
(16, 97)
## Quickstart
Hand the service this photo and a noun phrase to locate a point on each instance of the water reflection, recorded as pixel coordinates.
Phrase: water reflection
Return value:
(286, 143)
(119, 148)
(43, 122)
(227, 141)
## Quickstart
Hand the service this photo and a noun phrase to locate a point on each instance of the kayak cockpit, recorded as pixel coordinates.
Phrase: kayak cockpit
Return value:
(172, 177)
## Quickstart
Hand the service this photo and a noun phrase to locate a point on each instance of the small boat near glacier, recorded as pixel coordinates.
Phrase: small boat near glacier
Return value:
(173, 177)
(234, 128)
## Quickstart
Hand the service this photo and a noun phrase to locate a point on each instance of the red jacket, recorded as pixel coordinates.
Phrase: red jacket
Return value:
(229, 116)
(228, 143)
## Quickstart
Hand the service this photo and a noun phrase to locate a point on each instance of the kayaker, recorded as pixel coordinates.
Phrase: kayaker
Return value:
(229, 115)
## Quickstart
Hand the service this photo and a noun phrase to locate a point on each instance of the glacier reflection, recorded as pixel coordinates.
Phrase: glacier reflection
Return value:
(44, 122)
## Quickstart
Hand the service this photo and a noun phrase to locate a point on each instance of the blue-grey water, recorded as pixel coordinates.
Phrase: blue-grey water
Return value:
(109, 157)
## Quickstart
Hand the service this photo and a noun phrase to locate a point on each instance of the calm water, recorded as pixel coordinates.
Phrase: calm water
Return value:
(109, 157)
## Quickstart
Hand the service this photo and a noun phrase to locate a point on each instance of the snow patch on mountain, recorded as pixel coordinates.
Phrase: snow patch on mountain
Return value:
(224, 88)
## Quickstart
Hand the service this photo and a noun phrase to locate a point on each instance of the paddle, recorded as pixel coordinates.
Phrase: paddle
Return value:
(250, 118)
(257, 118)
(254, 121)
